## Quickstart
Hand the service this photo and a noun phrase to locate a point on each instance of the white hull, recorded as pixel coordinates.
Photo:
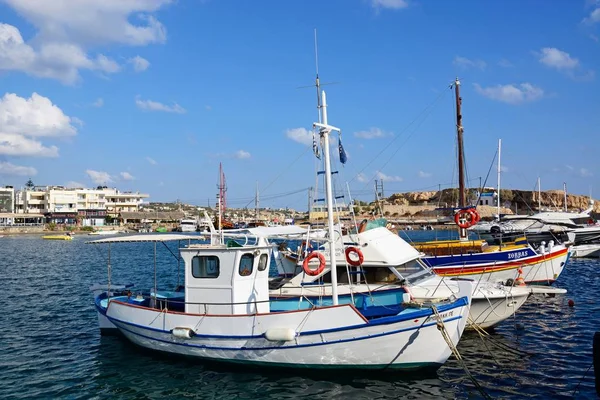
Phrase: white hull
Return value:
(586, 250)
(324, 337)
(544, 269)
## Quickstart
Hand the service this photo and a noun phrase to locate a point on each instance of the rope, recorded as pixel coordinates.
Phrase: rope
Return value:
(442, 328)
(581, 380)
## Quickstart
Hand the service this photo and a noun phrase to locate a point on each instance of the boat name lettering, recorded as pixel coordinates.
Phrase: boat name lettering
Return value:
(517, 254)
(442, 316)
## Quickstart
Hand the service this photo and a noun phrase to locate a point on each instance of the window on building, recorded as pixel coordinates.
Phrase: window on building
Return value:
(262, 262)
(205, 267)
(246, 264)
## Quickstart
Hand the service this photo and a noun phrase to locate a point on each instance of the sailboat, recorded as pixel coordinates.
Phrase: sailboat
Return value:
(476, 259)
(222, 311)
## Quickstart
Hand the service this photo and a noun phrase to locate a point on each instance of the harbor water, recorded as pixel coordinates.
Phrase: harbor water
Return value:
(51, 348)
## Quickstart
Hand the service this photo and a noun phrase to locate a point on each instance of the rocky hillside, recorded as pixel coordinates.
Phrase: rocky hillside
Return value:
(519, 200)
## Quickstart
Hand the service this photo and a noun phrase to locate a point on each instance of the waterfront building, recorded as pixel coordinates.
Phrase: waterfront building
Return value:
(117, 201)
(60, 205)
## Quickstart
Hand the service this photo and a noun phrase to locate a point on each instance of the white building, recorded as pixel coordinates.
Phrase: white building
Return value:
(117, 201)
(68, 206)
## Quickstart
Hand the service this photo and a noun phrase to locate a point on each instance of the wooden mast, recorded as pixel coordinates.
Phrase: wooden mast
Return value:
(461, 156)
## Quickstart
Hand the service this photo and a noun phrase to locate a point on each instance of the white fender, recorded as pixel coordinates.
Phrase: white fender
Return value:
(182, 333)
(280, 334)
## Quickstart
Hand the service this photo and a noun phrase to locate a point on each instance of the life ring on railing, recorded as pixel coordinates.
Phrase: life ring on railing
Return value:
(359, 254)
(314, 272)
(466, 218)
(476, 215)
(591, 221)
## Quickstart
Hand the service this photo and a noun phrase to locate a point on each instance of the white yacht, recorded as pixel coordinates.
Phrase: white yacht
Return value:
(187, 225)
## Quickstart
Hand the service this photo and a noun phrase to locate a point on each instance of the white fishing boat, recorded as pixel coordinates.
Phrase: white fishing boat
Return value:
(375, 267)
(223, 312)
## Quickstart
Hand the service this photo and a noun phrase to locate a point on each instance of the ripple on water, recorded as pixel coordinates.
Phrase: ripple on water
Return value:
(51, 348)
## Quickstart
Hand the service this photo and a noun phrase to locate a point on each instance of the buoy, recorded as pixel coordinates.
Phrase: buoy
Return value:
(571, 303)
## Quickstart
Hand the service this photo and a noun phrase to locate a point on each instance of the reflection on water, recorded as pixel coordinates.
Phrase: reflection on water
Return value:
(51, 347)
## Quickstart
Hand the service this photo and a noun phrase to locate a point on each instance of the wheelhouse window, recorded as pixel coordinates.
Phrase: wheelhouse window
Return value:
(262, 262)
(246, 264)
(205, 267)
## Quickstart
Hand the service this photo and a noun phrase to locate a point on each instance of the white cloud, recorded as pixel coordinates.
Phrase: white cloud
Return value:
(35, 116)
(423, 174)
(465, 63)
(511, 94)
(593, 17)
(99, 177)
(300, 135)
(12, 144)
(504, 63)
(584, 172)
(74, 185)
(208, 108)
(139, 64)
(241, 154)
(151, 161)
(66, 30)
(7, 168)
(98, 103)
(126, 176)
(361, 177)
(555, 58)
(24, 120)
(150, 105)
(388, 178)
(371, 134)
(503, 168)
(391, 4)
(94, 21)
(56, 60)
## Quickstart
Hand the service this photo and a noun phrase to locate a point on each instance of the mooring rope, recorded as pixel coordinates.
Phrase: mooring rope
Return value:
(442, 328)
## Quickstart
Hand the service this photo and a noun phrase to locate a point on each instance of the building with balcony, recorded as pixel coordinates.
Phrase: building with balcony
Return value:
(60, 205)
(117, 201)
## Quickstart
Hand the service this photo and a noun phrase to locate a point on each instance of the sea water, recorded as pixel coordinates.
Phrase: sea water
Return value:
(51, 348)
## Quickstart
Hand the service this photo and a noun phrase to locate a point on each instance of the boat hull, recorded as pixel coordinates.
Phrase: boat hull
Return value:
(538, 268)
(324, 337)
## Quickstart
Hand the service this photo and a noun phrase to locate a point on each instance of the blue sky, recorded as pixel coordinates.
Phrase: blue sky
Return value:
(153, 95)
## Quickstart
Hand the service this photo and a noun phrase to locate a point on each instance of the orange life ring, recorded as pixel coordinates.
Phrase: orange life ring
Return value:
(465, 218)
(359, 254)
(476, 216)
(314, 272)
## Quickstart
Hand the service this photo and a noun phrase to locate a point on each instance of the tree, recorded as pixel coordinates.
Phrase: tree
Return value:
(29, 185)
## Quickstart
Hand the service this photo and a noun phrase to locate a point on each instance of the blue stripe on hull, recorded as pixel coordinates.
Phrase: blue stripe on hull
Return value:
(119, 324)
(478, 258)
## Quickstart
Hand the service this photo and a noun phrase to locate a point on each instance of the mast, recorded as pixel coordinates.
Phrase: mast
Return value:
(325, 131)
(539, 196)
(499, 169)
(461, 156)
(565, 190)
(256, 203)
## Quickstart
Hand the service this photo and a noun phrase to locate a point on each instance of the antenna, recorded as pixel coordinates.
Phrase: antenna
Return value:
(318, 83)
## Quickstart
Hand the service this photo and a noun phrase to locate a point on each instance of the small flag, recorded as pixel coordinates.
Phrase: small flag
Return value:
(315, 147)
(343, 156)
